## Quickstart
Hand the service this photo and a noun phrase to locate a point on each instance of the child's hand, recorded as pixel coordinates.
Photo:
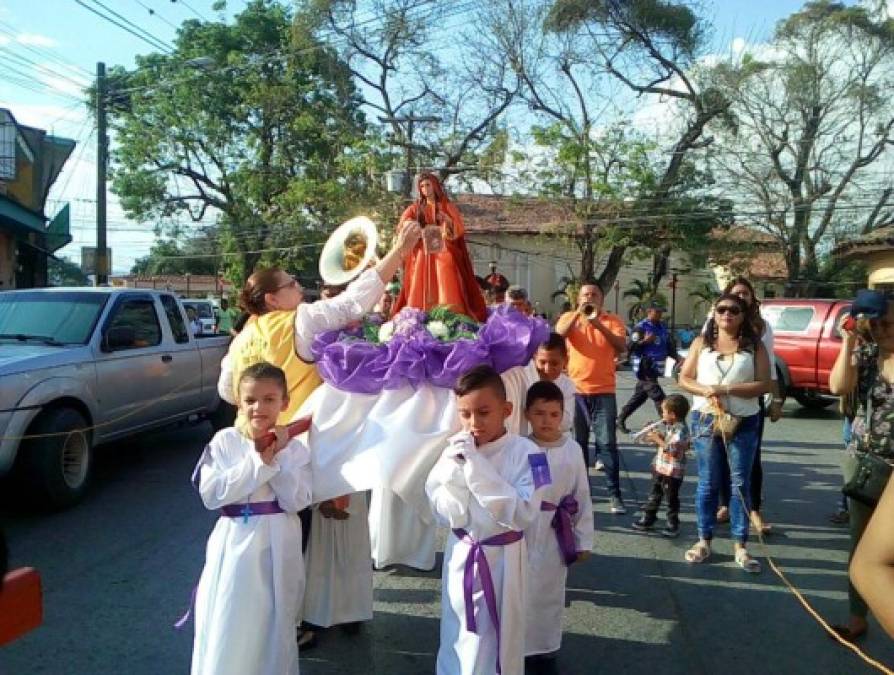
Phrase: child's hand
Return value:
(655, 438)
(328, 509)
(582, 555)
(282, 437)
(268, 454)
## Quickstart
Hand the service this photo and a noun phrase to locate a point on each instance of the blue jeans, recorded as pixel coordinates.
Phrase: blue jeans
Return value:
(711, 455)
(599, 413)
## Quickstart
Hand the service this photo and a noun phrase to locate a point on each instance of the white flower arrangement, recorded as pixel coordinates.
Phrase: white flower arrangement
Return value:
(438, 329)
(386, 331)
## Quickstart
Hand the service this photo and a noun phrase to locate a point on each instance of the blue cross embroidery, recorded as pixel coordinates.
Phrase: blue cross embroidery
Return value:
(246, 512)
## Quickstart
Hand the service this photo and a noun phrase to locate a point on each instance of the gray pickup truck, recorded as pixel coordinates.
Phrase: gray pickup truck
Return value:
(85, 366)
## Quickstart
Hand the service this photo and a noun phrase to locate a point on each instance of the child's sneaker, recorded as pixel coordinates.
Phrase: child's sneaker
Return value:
(670, 531)
(643, 524)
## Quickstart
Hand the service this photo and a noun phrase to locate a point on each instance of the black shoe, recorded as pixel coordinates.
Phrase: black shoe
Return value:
(352, 628)
(642, 524)
(622, 427)
(670, 531)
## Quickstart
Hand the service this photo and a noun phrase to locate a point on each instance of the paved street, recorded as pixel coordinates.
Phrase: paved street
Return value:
(118, 571)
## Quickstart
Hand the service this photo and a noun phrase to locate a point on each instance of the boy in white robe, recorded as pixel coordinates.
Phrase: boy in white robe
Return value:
(485, 488)
(563, 532)
(249, 596)
(551, 359)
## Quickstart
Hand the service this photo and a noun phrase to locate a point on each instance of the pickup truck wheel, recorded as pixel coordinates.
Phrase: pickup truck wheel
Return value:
(58, 461)
(224, 415)
(812, 400)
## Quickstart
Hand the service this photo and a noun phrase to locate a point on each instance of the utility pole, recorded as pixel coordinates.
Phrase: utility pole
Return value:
(408, 145)
(102, 255)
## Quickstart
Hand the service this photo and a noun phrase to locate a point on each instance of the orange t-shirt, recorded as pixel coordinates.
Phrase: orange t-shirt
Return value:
(591, 358)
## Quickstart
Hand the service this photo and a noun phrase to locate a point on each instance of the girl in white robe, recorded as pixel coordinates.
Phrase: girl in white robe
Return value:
(339, 567)
(491, 491)
(249, 597)
(547, 567)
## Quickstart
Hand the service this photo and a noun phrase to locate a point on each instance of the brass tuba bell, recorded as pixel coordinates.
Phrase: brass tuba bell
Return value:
(349, 250)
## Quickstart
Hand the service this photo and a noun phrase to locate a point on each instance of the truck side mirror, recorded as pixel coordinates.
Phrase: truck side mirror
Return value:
(119, 337)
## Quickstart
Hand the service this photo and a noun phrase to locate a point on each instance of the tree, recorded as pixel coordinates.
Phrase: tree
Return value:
(63, 272)
(703, 297)
(652, 47)
(269, 141)
(199, 254)
(813, 118)
(643, 294)
(403, 80)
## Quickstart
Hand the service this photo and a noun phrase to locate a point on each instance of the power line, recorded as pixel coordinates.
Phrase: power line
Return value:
(13, 32)
(123, 27)
(191, 9)
(152, 12)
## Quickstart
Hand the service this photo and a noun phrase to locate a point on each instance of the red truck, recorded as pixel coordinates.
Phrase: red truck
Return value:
(807, 343)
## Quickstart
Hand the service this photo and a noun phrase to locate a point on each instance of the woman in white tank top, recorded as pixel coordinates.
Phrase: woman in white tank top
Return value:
(726, 367)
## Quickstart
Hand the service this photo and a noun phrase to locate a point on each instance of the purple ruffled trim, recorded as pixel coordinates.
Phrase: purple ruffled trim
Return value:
(506, 340)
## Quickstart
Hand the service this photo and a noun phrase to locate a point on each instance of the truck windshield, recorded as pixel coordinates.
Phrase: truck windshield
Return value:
(66, 318)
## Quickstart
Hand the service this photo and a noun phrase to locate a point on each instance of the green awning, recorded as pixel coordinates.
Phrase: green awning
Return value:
(59, 230)
(20, 219)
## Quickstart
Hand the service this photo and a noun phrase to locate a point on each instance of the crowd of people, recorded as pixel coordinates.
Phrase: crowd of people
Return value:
(517, 507)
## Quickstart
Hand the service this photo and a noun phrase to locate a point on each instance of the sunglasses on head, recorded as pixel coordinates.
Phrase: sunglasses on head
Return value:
(291, 283)
(727, 309)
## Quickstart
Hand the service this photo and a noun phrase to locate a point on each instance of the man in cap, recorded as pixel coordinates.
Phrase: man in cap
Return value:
(650, 346)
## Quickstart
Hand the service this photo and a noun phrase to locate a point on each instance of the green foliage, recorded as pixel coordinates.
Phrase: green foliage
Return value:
(671, 21)
(170, 256)
(63, 272)
(643, 295)
(269, 141)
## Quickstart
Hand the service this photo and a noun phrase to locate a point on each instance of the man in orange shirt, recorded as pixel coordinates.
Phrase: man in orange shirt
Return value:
(594, 338)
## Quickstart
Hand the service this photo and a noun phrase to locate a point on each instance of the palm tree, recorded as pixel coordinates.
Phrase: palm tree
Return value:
(643, 294)
(703, 296)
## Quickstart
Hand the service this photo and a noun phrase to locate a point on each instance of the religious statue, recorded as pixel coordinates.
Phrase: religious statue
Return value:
(439, 271)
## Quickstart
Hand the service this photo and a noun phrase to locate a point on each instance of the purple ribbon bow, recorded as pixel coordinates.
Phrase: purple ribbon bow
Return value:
(561, 523)
(476, 561)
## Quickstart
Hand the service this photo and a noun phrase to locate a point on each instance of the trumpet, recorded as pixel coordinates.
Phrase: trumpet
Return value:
(642, 433)
(588, 311)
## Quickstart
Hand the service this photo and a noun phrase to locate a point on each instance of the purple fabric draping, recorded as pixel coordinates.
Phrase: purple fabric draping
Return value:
(561, 523)
(413, 356)
(477, 566)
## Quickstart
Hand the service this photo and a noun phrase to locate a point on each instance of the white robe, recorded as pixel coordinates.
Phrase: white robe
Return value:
(492, 492)
(249, 596)
(547, 571)
(339, 568)
(566, 385)
(397, 533)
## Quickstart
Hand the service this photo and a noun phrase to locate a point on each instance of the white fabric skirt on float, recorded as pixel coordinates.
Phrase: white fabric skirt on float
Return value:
(339, 585)
(398, 534)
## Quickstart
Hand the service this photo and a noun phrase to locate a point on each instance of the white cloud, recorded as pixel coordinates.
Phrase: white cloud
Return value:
(36, 40)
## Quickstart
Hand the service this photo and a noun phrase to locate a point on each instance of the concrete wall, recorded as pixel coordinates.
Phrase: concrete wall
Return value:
(538, 263)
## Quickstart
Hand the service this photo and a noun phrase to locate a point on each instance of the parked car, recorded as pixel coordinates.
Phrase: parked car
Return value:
(807, 342)
(205, 313)
(81, 367)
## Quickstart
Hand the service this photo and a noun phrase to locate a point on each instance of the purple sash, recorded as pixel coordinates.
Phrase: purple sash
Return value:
(476, 561)
(251, 509)
(561, 523)
(234, 511)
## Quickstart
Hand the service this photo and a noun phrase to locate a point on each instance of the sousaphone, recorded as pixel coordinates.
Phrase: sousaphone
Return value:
(348, 251)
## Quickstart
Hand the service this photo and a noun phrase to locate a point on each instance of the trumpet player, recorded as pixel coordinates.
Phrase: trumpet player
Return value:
(594, 338)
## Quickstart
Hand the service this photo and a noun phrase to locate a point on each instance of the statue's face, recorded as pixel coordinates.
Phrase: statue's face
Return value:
(426, 189)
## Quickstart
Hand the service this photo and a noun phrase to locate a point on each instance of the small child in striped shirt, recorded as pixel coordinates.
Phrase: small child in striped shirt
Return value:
(669, 466)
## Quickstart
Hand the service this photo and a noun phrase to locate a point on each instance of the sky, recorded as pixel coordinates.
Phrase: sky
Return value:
(49, 50)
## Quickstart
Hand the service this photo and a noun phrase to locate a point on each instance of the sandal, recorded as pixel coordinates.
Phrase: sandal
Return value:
(307, 639)
(847, 634)
(746, 562)
(698, 553)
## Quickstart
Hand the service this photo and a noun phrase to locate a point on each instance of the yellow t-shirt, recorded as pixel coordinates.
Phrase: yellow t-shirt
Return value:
(591, 358)
(271, 338)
